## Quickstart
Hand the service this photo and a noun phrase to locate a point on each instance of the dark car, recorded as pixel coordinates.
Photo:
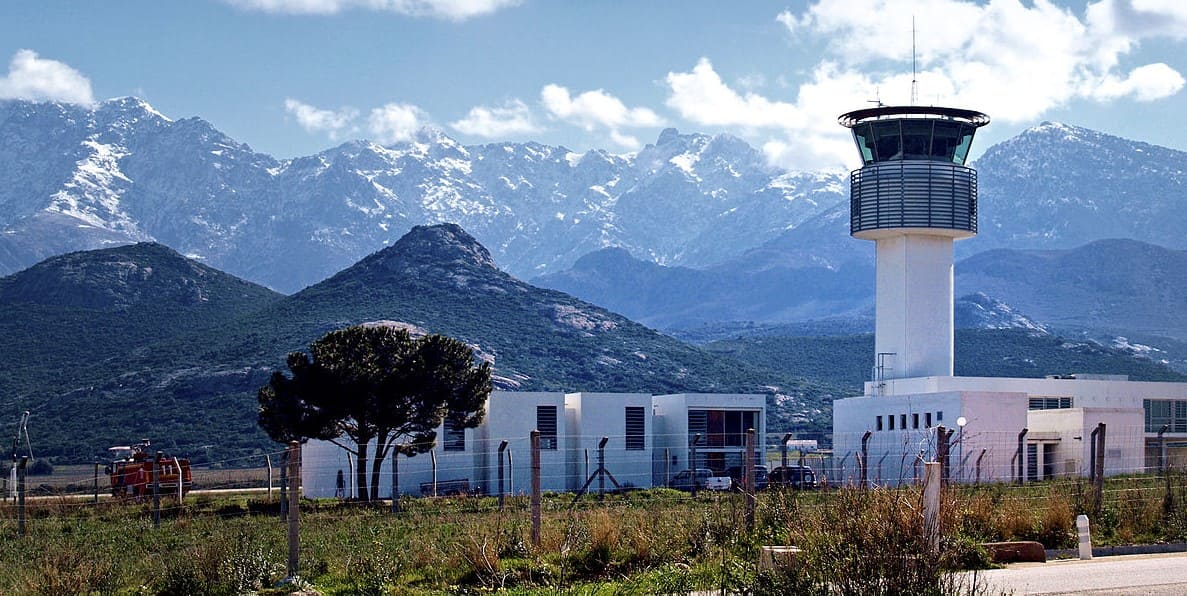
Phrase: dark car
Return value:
(793, 476)
(736, 473)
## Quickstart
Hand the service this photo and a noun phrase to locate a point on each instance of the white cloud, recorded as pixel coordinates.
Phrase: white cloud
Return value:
(1014, 60)
(455, 10)
(38, 79)
(513, 118)
(597, 110)
(317, 120)
(395, 122)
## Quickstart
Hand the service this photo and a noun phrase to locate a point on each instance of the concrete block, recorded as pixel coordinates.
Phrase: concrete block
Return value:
(777, 557)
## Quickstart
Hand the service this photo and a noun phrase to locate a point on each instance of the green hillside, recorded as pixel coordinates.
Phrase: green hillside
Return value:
(191, 387)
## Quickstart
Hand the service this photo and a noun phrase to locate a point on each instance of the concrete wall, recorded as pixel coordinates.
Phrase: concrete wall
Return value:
(598, 415)
(914, 304)
(1124, 441)
(993, 421)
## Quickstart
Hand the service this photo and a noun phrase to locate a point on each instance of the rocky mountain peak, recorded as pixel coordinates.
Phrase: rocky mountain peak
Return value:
(123, 277)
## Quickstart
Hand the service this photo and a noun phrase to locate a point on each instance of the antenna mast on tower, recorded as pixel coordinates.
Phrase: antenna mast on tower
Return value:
(914, 83)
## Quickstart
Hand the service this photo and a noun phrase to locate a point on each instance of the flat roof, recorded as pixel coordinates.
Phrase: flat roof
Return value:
(851, 119)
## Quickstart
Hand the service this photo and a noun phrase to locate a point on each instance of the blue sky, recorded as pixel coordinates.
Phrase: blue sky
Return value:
(292, 77)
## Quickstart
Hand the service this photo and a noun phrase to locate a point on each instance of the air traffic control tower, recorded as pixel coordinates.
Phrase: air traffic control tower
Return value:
(913, 197)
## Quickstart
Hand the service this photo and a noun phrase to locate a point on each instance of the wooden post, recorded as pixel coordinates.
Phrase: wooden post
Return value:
(535, 499)
(502, 448)
(20, 493)
(156, 490)
(294, 472)
(96, 500)
(268, 462)
(933, 475)
(748, 483)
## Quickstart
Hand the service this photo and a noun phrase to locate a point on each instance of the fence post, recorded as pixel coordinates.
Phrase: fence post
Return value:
(749, 482)
(692, 462)
(535, 499)
(864, 461)
(396, 479)
(1162, 448)
(268, 462)
(601, 468)
(667, 467)
(510, 472)
(502, 448)
(96, 483)
(294, 493)
(156, 490)
(984, 450)
(1021, 454)
(433, 461)
(783, 450)
(933, 475)
(284, 485)
(21, 473)
(1098, 484)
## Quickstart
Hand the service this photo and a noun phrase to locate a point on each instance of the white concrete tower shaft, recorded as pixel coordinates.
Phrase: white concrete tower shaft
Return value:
(913, 197)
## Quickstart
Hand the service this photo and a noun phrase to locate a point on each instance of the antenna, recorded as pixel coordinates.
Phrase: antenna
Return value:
(914, 82)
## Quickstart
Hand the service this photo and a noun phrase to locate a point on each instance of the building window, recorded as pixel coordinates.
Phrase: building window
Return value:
(455, 436)
(927, 420)
(722, 428)
(914, 420)
(890, 419)
(546, 424)
(902, 421)
(1165, 412)
(940, 416)
(1046, 402)
(636, 429)
(879, 423)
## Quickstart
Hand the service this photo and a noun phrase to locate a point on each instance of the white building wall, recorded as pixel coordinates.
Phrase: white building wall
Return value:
(993, 422)
(1124, 438)
(598, 415)
(913, 305)
(512, 417)
(1086, 393)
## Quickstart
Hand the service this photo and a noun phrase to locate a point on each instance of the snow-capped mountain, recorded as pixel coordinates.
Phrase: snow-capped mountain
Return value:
(78, 178)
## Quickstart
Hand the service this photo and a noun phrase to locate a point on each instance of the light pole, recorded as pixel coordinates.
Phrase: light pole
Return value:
(960, 422)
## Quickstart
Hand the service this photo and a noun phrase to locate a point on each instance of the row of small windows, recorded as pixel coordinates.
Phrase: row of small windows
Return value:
(1165, 412)
(914, 419)
(636, 429)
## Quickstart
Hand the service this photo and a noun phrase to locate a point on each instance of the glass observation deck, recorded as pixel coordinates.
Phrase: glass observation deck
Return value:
(914, 174)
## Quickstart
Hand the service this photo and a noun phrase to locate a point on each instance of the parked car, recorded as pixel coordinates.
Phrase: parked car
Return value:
(760, 477)
(705, 479)
(793, 476)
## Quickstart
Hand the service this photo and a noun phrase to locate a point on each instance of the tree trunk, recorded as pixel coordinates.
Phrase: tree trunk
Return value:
(361, 470)
(375, 469)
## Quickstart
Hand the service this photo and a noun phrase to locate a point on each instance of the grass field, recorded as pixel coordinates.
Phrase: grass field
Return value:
(652, 541)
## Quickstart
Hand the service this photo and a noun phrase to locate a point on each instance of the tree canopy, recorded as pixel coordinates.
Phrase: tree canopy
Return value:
(375, 383)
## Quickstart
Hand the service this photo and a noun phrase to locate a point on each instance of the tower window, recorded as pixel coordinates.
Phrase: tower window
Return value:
(879, 423)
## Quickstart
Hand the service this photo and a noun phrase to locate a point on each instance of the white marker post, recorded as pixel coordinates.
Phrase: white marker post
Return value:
(1085, 537)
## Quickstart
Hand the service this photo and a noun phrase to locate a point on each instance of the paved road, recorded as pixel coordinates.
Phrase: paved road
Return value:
(1129, 574)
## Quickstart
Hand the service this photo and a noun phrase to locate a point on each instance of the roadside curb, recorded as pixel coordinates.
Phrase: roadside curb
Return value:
(1110, 551)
